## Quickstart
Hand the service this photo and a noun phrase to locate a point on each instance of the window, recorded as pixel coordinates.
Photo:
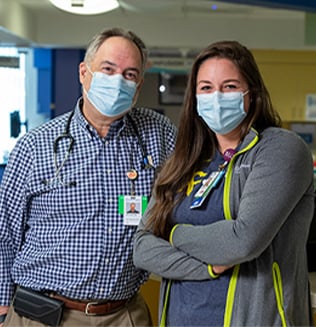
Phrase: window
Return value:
(12, 97)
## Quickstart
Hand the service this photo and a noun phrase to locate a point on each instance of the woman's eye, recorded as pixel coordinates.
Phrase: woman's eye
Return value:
(231, 87)
(205, 88)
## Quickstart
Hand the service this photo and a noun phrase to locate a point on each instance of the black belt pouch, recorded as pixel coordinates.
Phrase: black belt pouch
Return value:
(37, 306)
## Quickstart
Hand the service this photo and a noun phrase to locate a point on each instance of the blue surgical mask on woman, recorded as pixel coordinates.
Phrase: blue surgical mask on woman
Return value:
(111, 95)
(222, 112)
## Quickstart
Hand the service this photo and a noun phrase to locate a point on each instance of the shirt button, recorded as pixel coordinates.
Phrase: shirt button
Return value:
(107, 260)
(109, 171)
(110, 230)
(110, 200)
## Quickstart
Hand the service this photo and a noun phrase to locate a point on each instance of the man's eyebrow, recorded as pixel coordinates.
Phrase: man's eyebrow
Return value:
(115, 65)
(133, 69)
(108, 62)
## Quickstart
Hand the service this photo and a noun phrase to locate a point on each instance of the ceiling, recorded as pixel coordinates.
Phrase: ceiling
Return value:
(191, 6)
(181, 7)
(182, 24)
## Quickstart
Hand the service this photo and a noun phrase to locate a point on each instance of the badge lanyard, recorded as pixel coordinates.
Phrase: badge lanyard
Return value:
(132, 206)
(137, 202)
(132, 176)
(212, 180)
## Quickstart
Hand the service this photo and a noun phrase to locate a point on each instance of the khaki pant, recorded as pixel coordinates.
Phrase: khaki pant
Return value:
(134, 314)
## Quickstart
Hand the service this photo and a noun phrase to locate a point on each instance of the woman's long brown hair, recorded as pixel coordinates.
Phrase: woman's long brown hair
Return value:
(196, 142)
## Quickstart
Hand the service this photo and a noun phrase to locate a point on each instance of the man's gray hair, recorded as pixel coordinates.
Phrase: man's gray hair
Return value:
(99, 38)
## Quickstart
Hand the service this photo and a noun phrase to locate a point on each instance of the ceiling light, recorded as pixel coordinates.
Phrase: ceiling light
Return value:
(86, 7)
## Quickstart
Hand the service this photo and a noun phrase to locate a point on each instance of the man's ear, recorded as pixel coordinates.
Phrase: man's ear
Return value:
(82, 71)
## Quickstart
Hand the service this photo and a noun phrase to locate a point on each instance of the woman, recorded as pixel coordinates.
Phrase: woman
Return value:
(228, 223)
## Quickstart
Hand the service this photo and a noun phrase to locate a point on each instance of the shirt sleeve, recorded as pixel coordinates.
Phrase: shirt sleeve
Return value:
(12, 211)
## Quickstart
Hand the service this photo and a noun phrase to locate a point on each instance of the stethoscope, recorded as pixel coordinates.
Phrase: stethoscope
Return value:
(66, 135)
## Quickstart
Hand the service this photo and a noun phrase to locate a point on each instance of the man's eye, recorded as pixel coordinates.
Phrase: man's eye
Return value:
(131, 76)
(107, 70)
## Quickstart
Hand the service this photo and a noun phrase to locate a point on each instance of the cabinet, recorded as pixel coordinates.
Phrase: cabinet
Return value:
(150, 292)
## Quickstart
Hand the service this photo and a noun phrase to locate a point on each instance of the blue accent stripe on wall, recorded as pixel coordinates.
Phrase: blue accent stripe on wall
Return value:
(300, 5)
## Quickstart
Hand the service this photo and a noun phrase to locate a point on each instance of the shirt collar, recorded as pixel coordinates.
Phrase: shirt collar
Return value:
(116, 127)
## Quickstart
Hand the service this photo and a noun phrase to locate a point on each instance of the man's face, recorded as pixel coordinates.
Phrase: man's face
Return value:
(116, 55)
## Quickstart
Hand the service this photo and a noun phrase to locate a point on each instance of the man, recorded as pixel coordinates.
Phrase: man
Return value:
(66, 242)
(132, 208)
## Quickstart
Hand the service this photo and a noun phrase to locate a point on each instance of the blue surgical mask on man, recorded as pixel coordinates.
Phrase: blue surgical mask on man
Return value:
(222, 112)
(111, 95)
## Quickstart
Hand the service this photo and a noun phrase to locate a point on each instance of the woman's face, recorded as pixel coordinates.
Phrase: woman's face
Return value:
(219, 74)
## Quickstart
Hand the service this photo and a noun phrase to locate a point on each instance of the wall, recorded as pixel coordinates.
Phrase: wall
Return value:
(67, 89)
(149, 97)
(289, 77)
(186, 31)
(33, 117)
(66, 85)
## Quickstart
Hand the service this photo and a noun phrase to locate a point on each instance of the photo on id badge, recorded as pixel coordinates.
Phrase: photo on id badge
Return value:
(132, 210)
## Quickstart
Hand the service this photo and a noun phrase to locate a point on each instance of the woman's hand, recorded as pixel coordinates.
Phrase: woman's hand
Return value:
(218, 269)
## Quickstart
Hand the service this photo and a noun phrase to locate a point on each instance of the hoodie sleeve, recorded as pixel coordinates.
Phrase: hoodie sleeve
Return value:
(278, 185)
(158, 256)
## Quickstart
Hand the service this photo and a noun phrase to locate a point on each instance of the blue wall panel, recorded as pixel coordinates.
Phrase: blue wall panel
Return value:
(67, 88)
(43, 63)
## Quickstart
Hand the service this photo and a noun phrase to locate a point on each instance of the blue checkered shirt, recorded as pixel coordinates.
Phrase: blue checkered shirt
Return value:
(65, 234)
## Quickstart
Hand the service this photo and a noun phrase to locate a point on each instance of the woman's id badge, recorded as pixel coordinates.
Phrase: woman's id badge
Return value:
(205, 189)
(213, 180)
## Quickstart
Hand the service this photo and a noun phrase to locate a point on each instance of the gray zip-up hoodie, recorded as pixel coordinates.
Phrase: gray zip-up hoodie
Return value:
(268, 206)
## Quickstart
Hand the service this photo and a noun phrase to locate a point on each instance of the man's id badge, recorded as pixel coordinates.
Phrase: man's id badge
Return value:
(132, 208)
